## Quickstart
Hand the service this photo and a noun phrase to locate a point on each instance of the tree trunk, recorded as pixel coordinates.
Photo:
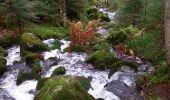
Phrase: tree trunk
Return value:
(62, 13)
(167, 30)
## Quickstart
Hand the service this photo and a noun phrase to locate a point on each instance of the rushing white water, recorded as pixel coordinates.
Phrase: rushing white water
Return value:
(8, 84)
(74, 65)
(13, 55)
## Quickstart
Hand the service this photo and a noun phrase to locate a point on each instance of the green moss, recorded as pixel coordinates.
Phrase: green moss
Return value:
(23, 76)
(41, 83)
(56, 45)
(59, 71)
(100, 59)
(121, 35)
(31, 58)
(46, 31)
(36, 67)
(91, 10)
(30, 42)
(102, 45)
(104, 17)
(76, 48)
(62, 88)
(116, 65)
(2, 65)
(3, 52)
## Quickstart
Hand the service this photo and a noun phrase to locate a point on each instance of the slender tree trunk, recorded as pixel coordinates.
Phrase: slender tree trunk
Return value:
(62, 13)
(167, 30)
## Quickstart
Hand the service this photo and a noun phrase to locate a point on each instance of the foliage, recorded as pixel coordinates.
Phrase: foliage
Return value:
(80, 35)
(3, 67)
(15, 13)
(46, 31)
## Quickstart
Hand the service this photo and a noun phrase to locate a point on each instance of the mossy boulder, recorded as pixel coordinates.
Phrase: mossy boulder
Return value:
(85, 82)
(101, 59)
(92, 13)
(30, 42)
(24, 76)
(62, 88)
(31, 58)
(115, 66)
(104, 17)
(59, 71)
(56, 44)
(3, 67)
(3, 52)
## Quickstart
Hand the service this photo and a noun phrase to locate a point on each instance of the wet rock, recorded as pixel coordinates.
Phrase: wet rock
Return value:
(23, 76)
(115, 66)
(56, 45)
(59, 71)
(62, 88)
(123, 91)
(3, 67)
(32, 57)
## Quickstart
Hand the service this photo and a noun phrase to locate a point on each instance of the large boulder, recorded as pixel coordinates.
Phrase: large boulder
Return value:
(3, 67)
(32, 43)
(62, 88)
(101, 59)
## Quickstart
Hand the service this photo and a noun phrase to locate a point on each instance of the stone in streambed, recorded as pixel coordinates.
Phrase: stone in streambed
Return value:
(24, 76)
(85, 82)
(101, 59)
(32, 43)
(62, 88)
(59, 71)
(115, 66)
(3, 67)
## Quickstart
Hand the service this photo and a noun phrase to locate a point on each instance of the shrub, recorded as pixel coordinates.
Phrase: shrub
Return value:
(80, 35)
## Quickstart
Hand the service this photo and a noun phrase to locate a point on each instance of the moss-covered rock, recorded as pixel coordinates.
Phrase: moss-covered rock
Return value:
(76, 48)
(36, 67)
(56, 44)
(101, 59)
(62, 88)
(30, 42)
(31, 58)
(115, 66)
(23, 76)
(104, 17)
(59, 71)
(3, 67)
(41, 83)
(85, 82)
(3, 52)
